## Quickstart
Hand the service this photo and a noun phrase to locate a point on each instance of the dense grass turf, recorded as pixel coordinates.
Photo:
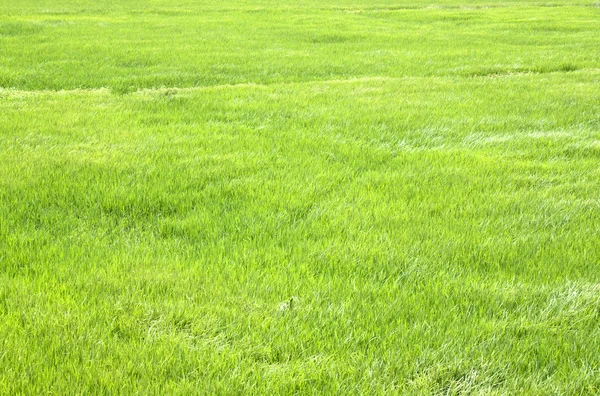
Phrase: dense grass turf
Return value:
(313, 197)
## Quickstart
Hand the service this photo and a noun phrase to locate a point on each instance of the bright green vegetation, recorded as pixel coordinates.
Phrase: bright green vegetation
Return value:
(313, 197)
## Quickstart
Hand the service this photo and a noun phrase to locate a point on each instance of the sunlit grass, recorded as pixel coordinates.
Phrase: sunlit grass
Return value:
(299, 197)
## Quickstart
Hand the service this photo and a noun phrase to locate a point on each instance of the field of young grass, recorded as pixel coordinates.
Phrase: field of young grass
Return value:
(344, 196)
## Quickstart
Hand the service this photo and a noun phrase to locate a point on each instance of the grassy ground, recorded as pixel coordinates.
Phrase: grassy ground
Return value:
(313, 197)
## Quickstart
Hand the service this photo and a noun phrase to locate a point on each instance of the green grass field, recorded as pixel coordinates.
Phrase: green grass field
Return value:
(311, 197)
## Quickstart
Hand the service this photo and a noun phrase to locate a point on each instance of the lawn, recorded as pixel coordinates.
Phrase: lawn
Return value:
(309, 197)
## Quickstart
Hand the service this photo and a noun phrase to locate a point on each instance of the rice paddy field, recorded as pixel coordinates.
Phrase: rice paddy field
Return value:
(299, 197)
